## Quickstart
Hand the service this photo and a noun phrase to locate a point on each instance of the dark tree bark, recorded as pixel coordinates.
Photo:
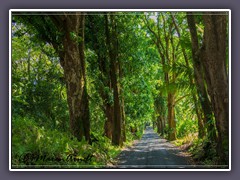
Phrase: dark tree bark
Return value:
(113, 53)
(122, 104)
(213, 55)
(100, 47)
(123, 121)
(164, 124)
(73, 63)
(108, 106)
(159, 123)
(108, 123)
(201, 125)
(171, 117)
(159, 109)
(199, 78)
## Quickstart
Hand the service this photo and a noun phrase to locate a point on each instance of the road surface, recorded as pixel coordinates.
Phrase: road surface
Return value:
(153, 152)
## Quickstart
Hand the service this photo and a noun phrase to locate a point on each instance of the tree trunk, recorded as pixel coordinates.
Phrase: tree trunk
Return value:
(164, 124)
(108, 123)
(159, 109)
(158, 123)
(171, 118)
(113, 53)
(200, 83)
(99, 46)
(73, 63)
(201, 129)
(123, 121)
(117, 123)
(120, 71)
(214, 61)
(105, 95)
(160, 127)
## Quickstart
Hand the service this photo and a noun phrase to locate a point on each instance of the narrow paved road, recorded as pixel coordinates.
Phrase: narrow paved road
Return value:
(153, 152)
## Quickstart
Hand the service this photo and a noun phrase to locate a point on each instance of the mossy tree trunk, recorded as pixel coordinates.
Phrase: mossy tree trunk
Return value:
(200, 82)
(73, 62)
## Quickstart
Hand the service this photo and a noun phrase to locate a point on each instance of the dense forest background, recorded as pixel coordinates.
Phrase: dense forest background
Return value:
(86, 84)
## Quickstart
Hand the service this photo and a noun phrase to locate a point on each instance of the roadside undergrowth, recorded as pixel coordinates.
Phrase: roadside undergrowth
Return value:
(202, 151)
(38, 147)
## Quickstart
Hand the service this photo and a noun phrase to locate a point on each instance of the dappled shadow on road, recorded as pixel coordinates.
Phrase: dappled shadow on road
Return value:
(152, 152)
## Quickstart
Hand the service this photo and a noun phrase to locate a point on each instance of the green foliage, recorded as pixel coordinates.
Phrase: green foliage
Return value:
(40, 127)
(75, 37)
(204, 152)
(186, 127)
(37, 146)
(186, 118)
(37, 86)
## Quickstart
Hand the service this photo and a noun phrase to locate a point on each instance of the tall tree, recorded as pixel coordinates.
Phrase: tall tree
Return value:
(112, 43)
(99, 45)
(66, 33)
(199, 78)
(212, 55)
(73, 63)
